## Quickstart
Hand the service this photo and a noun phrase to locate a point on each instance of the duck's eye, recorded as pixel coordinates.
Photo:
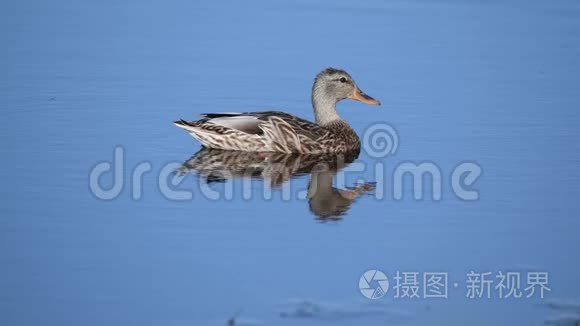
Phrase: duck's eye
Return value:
(342, 80)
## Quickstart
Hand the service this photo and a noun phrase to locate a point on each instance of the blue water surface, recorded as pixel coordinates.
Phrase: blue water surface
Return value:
(490, 82)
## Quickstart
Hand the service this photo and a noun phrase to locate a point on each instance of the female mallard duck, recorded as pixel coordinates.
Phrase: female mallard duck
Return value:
(274, 131)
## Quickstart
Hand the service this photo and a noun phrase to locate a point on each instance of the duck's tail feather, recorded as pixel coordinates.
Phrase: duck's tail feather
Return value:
(184, 124)
(197, 131)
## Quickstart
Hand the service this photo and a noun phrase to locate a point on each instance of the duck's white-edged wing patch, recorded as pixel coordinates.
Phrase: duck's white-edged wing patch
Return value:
(245, 123)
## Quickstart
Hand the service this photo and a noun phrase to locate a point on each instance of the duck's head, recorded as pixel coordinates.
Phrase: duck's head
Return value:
(333, 85)
(336, 84)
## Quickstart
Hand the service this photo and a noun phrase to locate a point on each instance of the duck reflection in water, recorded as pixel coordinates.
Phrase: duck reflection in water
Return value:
(325, 201)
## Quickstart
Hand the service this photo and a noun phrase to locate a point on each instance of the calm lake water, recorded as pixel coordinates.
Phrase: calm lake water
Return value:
(495, 83)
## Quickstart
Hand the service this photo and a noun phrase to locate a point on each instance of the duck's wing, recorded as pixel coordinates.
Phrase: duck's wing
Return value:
(251, 122)
(256, 131)
(227, 131)
(244, 122)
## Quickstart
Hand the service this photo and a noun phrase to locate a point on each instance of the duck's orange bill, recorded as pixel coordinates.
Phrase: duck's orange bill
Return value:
(361, 96)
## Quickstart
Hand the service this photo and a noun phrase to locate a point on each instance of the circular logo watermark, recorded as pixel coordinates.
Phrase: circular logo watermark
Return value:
(373, 284)
(380, 140)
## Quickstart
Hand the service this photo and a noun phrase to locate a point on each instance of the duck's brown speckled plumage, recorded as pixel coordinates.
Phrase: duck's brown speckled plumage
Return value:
(274, 131)
(279, 132)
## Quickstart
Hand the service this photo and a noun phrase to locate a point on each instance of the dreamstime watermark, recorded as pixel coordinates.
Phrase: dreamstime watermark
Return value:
(420, 180)
(374, 284)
